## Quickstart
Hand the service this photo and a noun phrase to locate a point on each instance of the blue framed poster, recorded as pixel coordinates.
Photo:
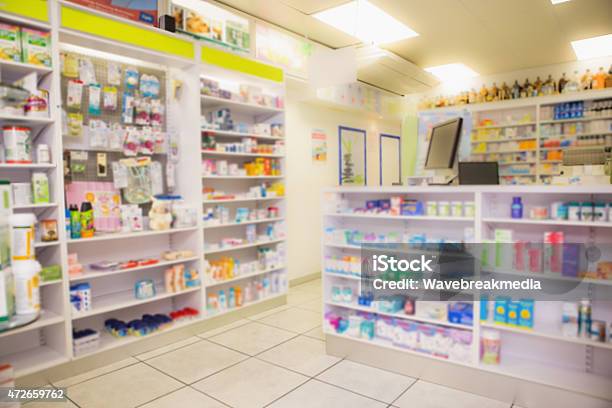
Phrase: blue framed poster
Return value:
(352, 160)
(390, 160)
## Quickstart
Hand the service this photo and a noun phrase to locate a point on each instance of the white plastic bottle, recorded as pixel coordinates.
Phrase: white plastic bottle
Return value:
(7, 298)
(27, 287)
(22, 231)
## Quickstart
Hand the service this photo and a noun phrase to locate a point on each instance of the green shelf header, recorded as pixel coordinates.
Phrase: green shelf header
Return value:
(234, 62)
(34, 9)
(126, 33)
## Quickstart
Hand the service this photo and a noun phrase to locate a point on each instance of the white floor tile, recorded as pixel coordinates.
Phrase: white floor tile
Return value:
(302, 354)
(67, 382)
(194, 362)
(219, 330)
(252, 338)
(48, 404)
(261, 315)
(293, 319)
(316, 333)
(369, 381)
(170, 347)
(184, 398)
(427, 395)
(250, 384)
(315, 394)
(128, 387)
(315, 305)
(295, 298)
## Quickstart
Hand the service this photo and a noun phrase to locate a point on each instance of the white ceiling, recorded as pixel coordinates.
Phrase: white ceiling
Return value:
(490, 36)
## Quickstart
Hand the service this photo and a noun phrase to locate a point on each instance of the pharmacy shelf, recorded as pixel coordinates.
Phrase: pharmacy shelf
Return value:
(41, 244)
(93, 274)
(551, 333)
(237, 247)
(25, 119)
(343, 246)
(342, 275)
(21, 68)
(240, 177)
(390, 346)
(517, 162)
(566, 223)
(109, 342)
(27, 166)
(210, 102)
(506, 125)
(126, 235)
(34, 206)
(233, 224)
(549, 276)
(403, 316)
(230, 133)
(245, 276)
(124, 300)
(253, 303)
(573, 135)
(578, 381)
(506, 151)
(242, 200)
(552, 121)
(46, 318)
(400, 217)
(503, 140)
(33, 360)
(235, 154)
(51, 282)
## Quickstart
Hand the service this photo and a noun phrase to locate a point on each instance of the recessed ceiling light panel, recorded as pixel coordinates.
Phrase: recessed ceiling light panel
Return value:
(452, 72)
(594, 47)
(558, 1)
(365, 21)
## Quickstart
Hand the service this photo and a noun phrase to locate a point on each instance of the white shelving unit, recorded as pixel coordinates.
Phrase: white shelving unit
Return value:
(42, 343)
(541, 355)
(47, 342)
(235, 189)
(528, 121)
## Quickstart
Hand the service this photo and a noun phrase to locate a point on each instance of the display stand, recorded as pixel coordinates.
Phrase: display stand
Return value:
(540, 362)
(47, 342)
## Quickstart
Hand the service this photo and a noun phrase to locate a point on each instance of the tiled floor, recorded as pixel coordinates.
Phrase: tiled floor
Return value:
(276, 359)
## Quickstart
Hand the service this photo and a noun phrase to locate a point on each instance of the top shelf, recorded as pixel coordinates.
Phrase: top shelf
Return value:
(210, 102)
(552, 121)
(504, 125)
(15, 70)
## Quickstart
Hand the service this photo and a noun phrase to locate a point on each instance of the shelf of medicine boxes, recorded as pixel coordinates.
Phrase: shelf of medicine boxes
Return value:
(40, 344)
(244, 115)
(543, 168)
(492, 207)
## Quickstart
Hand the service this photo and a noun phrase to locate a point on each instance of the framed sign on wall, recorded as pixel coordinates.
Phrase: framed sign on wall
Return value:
(352, 160)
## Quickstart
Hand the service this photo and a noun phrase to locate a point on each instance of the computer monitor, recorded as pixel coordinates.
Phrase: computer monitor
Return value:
(443, 145)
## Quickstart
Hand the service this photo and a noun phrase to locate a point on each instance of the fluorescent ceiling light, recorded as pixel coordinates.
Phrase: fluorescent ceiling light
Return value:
(558, 1)
(365, 21)
(452, 72)
(593, 47)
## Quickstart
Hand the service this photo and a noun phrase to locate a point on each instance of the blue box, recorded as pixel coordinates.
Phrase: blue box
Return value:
(526, 309)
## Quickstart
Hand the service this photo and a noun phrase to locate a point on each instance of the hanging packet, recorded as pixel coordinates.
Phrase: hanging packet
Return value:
(70, 65)
(115, 136)
(131, 142)
(146, 141)
(109, 99)
(157, 180)
(95, 92)
(87, 73)
(98, 134)
(157, 112)
(120, 175)
(75, 124)
(131, 78)
(143, 112)
(74, 94)
(127, 115)
(113, 74)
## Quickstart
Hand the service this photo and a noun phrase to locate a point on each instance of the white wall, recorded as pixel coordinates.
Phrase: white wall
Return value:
(305, 179)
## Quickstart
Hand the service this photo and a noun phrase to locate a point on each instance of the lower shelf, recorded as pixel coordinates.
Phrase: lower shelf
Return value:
(561, 377)
(33, 360)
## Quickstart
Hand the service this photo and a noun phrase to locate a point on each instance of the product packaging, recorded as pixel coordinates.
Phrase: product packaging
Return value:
(17, 144)
(10, 42)
(27, 287)
(40, 188)
(36, 46)
(95, 91)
